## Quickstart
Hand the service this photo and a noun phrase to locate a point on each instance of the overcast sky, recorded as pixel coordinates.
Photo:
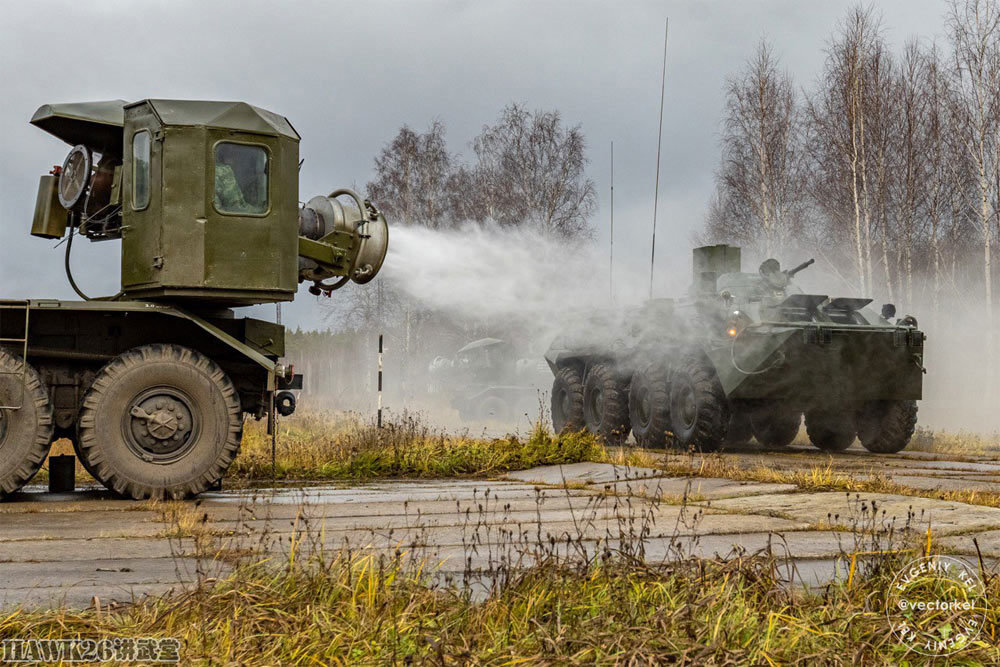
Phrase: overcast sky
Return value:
(349, 74)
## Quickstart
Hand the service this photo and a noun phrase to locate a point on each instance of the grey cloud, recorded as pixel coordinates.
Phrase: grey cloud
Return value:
(348, 74)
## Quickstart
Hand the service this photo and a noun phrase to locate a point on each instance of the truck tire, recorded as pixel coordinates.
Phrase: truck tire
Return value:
(567, 401)
(25, 434)
(649, 405)
(830, 430)
(605, 404)
(740, 429)
(775, 425)
(699, 410)
(160, 421)
(79, 454)
(885, 427)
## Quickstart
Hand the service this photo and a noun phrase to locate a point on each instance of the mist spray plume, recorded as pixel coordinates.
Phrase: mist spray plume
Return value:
(539, 286)
(520, 277)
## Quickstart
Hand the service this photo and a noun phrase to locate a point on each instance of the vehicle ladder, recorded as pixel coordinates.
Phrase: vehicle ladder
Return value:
(6, 306)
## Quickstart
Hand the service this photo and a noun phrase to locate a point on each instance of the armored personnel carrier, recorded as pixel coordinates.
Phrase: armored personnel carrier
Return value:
(742, 355)
(486, 380)
(152, 383)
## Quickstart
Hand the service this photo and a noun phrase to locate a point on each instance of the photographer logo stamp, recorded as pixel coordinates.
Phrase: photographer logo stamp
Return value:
(937, 605)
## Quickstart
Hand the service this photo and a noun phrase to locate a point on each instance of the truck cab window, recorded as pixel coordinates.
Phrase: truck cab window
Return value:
(140, 170)
(240, 179)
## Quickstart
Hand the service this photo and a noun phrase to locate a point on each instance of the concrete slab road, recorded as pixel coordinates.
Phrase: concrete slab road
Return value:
(68, 550)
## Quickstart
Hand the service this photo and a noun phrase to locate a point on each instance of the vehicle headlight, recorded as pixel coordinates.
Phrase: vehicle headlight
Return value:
(736, 323)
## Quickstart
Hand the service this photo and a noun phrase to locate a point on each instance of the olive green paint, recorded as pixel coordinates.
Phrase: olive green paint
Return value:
(180, 246)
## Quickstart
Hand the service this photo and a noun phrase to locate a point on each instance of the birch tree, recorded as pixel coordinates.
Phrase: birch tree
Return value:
(758, 201)
(839, 136)
(531, 170)
(412, 178)
(975, 33)
(935, 128)
(881, 125)
(913, 167)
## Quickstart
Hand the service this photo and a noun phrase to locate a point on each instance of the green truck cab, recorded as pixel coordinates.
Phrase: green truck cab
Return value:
(152, 384)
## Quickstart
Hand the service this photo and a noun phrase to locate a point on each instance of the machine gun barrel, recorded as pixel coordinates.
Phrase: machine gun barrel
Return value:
(800, 267)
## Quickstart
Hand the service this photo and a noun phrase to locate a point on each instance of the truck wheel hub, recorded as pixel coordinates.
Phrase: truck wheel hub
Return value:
(160, 425)
(564, 403)
(645, 409)
(597, 404)
(689, 406)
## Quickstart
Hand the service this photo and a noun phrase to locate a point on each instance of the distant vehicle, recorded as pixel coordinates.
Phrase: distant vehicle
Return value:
(152, 384)
(743, 355)
(487, 381)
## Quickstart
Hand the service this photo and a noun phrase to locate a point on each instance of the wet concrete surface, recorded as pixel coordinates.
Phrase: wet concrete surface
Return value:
(71, 548)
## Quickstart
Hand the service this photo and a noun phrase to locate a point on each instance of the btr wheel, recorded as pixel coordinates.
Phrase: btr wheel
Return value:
(649, 405)
(885, 427)
(830, 430)
(740, 430)
(699, 411)
(26, 427)
(775, 425)
(567, 401)
(605, 404)
(160, 421)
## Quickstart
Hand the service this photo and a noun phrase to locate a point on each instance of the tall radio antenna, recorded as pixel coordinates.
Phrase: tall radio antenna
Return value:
(659, 141)
(611, 264)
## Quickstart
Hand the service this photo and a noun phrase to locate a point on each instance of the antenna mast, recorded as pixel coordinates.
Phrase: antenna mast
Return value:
(611, 267)
(659, 141)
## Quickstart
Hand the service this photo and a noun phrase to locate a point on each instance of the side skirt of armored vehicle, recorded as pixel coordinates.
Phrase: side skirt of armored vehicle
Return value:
(152, 397)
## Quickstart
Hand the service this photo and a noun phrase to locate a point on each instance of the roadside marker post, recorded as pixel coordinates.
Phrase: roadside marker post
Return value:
(379, 418)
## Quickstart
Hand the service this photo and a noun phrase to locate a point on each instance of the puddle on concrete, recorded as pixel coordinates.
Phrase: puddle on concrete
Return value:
(352, 492)
(36, 493)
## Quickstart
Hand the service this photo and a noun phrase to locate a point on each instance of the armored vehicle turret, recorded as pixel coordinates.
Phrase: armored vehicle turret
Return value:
(742, 355)
(152, 383)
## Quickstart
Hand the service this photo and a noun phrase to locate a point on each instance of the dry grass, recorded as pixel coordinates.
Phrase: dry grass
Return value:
(316, 446)
(362, 610)
(612, 608)
(962, 443)
(183, 520)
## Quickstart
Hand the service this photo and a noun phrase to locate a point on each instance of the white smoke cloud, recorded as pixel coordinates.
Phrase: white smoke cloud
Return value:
(516, 276)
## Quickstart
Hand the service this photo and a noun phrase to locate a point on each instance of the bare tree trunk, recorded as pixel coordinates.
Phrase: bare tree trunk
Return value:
(858, 235)
(765, 216)
(759, 197)
(865, 205)
(984, 216)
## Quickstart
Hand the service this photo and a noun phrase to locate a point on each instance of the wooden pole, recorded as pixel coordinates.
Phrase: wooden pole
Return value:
(379, 418)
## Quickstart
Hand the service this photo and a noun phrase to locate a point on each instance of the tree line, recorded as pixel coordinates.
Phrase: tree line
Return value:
(528, 170)
(525, 170)
(887, 166)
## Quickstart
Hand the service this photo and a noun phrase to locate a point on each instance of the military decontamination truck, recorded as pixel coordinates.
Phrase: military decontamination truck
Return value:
(743, 355)
(152, 384)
